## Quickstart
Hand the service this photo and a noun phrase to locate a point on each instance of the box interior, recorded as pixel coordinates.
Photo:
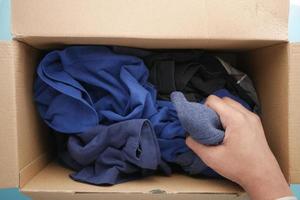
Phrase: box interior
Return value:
(268, 68)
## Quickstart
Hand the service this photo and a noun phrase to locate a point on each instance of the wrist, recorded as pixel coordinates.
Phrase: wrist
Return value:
(267, 184)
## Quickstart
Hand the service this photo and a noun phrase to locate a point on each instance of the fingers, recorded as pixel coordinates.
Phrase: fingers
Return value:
(225, 111)
(206, 153)
(236, 105)
(198, 148)
(244, 114)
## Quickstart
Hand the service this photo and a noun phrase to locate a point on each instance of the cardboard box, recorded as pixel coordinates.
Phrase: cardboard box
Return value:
(255, 31)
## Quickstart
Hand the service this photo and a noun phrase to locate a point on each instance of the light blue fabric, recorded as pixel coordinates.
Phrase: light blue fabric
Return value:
(200, 121)
(203, 125)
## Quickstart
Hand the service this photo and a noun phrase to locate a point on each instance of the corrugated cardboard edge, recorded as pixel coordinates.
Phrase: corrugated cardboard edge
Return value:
(18, 162)
(8, 131)
(33, 140)
(151, 24)
(54, 178)
(122, 196)
(198, 19)
(48, 42)
(261, 64)
(294, 112)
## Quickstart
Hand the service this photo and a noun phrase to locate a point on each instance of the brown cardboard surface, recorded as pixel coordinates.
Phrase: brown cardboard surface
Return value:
(31, 169)
(22, 141)
(224, 44)
(54, 178)
(274, 70)
(8, 131)
(103, 196)
(268, 67)
(33, 137)
(293, 112)
(208, 24)
(190, 20)
(281, 118)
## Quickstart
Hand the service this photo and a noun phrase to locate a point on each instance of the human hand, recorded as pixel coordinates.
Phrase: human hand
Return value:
(244, 156)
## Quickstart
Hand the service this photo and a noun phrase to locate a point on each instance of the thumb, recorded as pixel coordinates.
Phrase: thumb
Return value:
(205, 152)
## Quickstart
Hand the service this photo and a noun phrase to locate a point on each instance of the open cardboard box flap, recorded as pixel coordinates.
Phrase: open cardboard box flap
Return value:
(151, 23)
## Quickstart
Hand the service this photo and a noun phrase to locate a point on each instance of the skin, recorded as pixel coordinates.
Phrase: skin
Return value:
(244, 156)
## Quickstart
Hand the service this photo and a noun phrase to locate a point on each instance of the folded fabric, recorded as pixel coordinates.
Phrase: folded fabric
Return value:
(201, 122)
(194, 73)
(193, 165)
(93, 92)
(203, 125)
(244, 81)
(114, 154)
(170, 134)
(173, 71)
(79, 87)
(157, 59)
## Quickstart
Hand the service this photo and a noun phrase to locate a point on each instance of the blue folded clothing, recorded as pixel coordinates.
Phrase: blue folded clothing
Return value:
(200, 121)
(203, 125)
(114, 154)
(80, 87)
(117, 130)
(170, 134)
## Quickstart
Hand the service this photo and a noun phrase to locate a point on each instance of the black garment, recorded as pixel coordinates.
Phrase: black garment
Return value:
(195, 73)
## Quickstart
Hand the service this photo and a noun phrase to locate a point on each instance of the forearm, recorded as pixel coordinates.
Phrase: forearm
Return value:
(270, 184)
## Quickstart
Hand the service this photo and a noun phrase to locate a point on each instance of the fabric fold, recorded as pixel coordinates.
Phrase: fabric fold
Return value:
(201, 122)
(104, 101)
(113, 154)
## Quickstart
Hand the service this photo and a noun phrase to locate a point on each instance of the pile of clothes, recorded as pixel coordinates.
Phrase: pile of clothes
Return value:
(122, 113)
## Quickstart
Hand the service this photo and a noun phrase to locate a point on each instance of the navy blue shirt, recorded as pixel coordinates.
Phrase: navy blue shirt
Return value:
(90, 93)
